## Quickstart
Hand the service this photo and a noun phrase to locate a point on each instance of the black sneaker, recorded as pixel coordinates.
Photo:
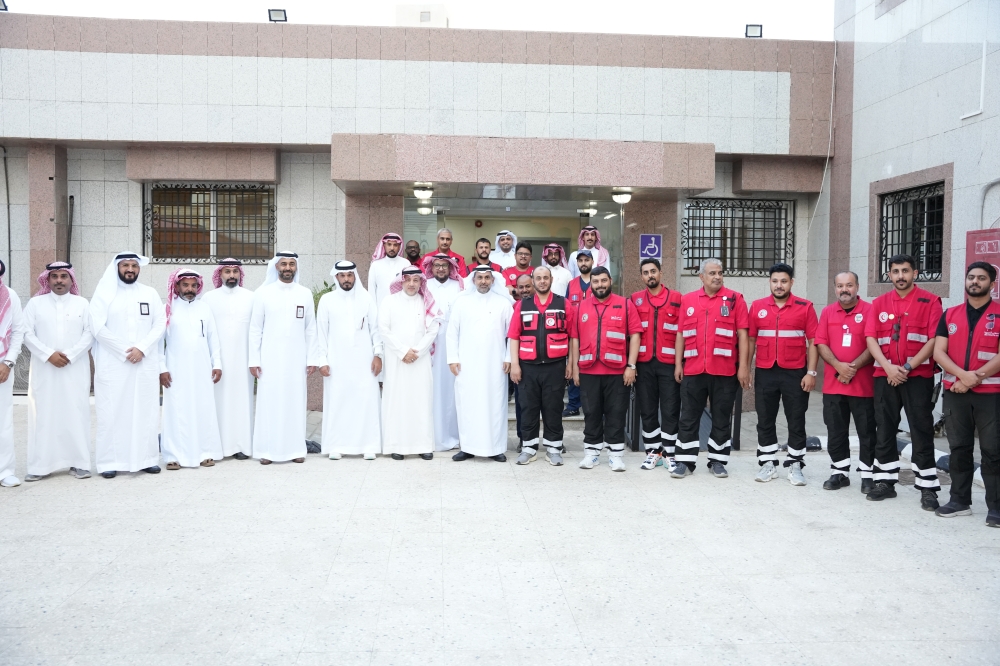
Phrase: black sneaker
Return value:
(500, 457)
(239, 455)
(929, 500)
(155, 469)
(836, 482)
(867, 485)
(571, 412)
(718, 470)
(397, 456)
(952, 509)
(109, 475)
(881, 491)
(427, 456)
(993, 518)
(462, 455)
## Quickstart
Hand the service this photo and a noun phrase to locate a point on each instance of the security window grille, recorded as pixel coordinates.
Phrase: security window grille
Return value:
(204, 223)
(747, 235)
(912, 222)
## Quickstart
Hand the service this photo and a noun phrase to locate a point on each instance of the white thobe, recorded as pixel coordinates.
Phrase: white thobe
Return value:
(190, 422)
(445, 414)
(231, 308)
(503, 259)
(407, 398)
(7, 389)
(381, 274)
(127, 395)
(282, 345)
(575, 270)
(58, 398)
(477, 339)
(351, 397)
(561, 278)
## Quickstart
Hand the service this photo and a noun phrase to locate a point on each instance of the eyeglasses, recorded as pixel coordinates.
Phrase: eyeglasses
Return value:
(523, 254)
(895, 332)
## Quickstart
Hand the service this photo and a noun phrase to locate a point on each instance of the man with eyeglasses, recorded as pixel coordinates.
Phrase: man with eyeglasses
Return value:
(966, 346)
(522, 266)
(900, 336)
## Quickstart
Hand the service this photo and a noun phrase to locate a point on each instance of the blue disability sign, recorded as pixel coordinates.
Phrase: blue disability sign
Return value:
(650, 246)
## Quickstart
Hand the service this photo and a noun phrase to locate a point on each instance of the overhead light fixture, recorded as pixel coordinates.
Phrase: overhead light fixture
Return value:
(610, 215)
(754, 31)
(587, 212)
(423, 192)
(425, 210)
(277, 16)
(621, 197)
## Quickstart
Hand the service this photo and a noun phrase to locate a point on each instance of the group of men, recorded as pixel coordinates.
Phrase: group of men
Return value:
(419, 362)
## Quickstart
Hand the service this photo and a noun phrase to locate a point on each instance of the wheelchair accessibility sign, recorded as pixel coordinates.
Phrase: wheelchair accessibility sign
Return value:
(650, 246)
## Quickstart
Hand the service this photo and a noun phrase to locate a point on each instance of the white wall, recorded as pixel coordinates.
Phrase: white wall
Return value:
(18, 261)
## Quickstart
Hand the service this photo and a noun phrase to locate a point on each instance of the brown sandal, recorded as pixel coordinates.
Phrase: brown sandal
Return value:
(173, 465)
(265, 461)
(298, 460)
(208, 462)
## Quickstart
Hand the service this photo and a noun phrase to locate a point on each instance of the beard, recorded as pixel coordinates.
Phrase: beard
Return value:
(601, 293)
(232, 282)
(347, 287)
(584, 270)
(128, 279)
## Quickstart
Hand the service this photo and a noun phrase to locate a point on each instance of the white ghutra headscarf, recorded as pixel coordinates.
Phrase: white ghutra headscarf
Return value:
(272, 267)
(107, 288)
(354, 303)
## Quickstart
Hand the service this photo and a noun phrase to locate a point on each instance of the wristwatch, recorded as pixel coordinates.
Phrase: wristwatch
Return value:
(630, 366)
(907, 366)
(811, 373)
(9, 364)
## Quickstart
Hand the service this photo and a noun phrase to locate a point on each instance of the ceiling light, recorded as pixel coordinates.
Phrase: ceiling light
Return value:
(423, 192)
(754, 31)
(277, 16)
(609, 216)
(621, 197)
(425, 210)
(586, 212)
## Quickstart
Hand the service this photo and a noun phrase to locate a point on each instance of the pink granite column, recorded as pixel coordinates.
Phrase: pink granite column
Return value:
(650, 217)
(47, 206)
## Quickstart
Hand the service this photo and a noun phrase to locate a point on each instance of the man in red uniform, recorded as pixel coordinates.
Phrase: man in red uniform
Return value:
(444, 240)
(782, 332)
(578, 289)
(412, 252)
(848, 382)
(522, 257)
(713, 351)
(539, 350)
(900, 335)
(966, 347)
(657, 390)
(482, 256)
(603, 351)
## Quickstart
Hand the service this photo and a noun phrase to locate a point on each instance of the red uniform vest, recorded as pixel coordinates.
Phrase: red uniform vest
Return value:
(711, 336)
(985, 344)
(575, 294)
(782, 332)
(916, 327)
(543, 337)
(659, 325)
(603, 332)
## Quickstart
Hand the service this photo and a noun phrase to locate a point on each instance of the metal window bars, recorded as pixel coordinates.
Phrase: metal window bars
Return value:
(201, 223)
(912, 222)
(747, 235)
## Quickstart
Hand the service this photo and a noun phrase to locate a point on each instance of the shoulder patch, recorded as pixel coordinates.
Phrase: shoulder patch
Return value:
(801, 303)
(923, 300)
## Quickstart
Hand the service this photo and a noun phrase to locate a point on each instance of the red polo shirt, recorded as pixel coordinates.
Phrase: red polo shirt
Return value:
(512, 273)
(837, 326)
(917, 317)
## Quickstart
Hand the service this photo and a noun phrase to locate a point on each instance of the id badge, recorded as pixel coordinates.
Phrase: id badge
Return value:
(144, 309)
(300, 312)
(724, 311)
(846, 342)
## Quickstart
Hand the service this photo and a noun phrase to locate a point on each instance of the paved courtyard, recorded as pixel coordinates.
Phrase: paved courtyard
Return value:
(416, 562)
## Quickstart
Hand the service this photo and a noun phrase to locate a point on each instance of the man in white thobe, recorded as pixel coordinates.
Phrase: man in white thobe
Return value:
(503, 255)
(351, 351)
(386, 265)
(555, 260)
(446, 284)
(128, 321)
(589, 239)
(283, 352)
(480, 360)
(190, 366)
(57, 322)
(231, 305)
(408, 322)
(12, 329)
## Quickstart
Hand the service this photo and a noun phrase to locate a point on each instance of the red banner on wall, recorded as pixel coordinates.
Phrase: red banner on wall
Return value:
(984, 245)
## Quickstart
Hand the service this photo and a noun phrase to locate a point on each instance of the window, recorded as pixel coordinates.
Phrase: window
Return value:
(204, 223)
(747, 235)
(911, 222)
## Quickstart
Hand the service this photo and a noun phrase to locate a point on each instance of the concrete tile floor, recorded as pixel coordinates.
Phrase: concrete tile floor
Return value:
(416, 562)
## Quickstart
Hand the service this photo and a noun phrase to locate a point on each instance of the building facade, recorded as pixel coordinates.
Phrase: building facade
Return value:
(193, 141)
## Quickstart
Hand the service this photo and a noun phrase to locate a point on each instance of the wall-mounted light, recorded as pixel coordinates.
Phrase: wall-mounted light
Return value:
(754, 31)
(277, 16)
(621, 197)
(423, 192)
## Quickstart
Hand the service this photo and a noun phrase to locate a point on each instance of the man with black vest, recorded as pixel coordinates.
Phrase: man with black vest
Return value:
(966, 347)
(603, 350)
(658, 391)
(900, 336)
(539, 348)
(782, 332)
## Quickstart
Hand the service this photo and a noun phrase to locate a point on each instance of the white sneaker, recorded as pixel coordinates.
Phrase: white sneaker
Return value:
(652, 460)
(335, 456)
(79, 473)
(767, 472)
(671, 464)
(589, 460)
(616, 464)
(795, 475)
(10, 481)
(35, 477)
(369, 456)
